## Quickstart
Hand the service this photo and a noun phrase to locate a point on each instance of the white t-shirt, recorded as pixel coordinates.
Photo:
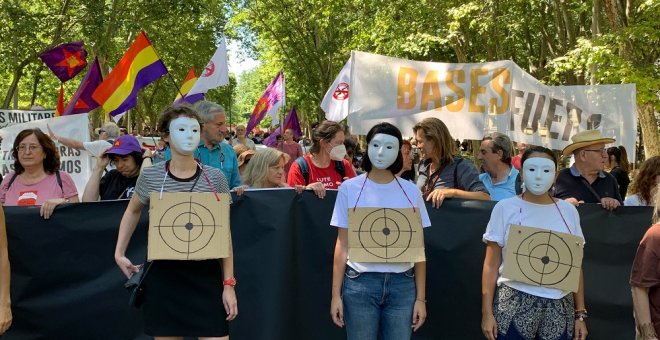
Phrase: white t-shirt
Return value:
(377, 195)
(514, 210)
(97, 147)
(634, 201)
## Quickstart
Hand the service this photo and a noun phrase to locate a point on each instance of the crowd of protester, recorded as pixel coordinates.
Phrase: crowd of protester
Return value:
(429, 167)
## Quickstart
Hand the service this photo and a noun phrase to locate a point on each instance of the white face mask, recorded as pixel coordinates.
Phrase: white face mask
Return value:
(383, 150)
(538, 175)
(184, 135)
(338, 152)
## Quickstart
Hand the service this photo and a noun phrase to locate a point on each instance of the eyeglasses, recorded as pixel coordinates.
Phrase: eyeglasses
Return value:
(602, 151)
(31, 147)
(101, 131)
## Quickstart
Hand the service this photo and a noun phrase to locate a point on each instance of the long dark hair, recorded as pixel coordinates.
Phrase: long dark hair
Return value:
(51, 162)
(620, 155)
(388, 129)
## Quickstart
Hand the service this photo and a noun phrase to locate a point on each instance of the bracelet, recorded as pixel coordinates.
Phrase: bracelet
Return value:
(646, 331)
(581, 314)
(421, 300)
(231, 282)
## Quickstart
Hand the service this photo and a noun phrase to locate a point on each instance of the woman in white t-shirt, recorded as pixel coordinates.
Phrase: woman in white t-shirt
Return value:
(517, 310)
(377, 298)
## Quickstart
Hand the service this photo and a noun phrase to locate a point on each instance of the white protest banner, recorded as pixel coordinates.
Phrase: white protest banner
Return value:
(11, 117)
(76, 163)
(476, 99)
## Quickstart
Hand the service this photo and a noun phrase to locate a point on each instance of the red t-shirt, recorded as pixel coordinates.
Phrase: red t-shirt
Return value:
(329, 176)
(646, 271)
(515, 161)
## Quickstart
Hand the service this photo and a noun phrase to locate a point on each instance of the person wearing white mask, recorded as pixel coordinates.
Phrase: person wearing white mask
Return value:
(324, 167)
(377, 298)
(181, 298)
(517, 310)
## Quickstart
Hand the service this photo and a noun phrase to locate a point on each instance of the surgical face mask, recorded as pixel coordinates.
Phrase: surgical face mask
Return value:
(538, 174)
(383, 150)
(184, 135)
(338, 152)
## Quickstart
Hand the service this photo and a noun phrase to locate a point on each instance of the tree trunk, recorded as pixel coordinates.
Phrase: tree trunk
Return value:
(35, 85)
(18, 71)
(649, 124)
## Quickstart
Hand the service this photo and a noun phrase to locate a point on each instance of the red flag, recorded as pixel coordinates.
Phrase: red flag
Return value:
(82, 100)
(60, 102)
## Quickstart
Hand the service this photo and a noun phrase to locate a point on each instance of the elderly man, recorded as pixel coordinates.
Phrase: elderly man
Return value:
(495, 155)
(211, 150)
(585, 181)
(241, 138)
(107, 134)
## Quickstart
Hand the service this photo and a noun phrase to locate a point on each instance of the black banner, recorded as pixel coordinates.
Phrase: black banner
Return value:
(65, 284)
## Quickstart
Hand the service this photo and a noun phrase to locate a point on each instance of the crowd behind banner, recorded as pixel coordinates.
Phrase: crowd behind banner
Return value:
(65, 284)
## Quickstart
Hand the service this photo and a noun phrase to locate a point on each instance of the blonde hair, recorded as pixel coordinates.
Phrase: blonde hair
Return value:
(433, 129)
(256, 173)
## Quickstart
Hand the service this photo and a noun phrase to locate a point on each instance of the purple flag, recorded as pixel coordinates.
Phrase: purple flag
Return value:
(66, 60)
(270, 101)
(290, 122)
(82, 100)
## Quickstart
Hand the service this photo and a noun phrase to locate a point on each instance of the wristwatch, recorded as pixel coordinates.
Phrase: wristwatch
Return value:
(229, 282)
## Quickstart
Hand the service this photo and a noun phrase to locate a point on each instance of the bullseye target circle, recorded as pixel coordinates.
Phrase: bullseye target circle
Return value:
(545, 258)
(385, 233)
(182, 229)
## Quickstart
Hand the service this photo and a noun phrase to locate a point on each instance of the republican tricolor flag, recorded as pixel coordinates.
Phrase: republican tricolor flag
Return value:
(139, 67)
(184, 92)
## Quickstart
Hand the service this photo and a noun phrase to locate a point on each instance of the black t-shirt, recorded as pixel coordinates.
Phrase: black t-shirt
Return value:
(621, 178)
(115, 186)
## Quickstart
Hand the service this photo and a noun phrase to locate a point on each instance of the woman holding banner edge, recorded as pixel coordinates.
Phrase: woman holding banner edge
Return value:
(443, 174)
(372, 299)
(181, 298)
(513, 310)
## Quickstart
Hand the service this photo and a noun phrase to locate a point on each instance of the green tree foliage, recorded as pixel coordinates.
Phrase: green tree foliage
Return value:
(184, 33)
(565, 42)
(558, 41)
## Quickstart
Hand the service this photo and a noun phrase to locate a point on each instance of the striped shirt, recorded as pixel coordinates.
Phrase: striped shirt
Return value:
(151, 180)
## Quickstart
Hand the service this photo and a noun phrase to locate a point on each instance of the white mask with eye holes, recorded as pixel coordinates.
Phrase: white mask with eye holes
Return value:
(383, 150)
(184, 135)
(538, 174)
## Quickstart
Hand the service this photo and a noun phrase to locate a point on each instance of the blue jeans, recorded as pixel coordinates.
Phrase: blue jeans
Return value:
(378, 305)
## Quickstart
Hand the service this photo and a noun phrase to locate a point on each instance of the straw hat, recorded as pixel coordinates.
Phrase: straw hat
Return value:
(585, 138)
(242, 151)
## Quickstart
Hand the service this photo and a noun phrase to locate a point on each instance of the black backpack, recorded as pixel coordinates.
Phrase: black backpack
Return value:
(304, 169)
